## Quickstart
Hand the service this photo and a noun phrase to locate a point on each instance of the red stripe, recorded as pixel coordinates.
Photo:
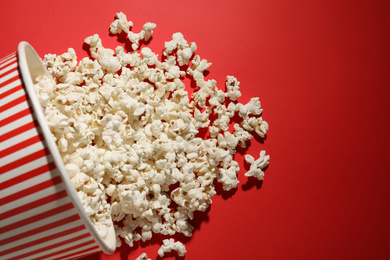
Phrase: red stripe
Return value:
(50, 247)
(14, 117)
(9, 71)
(28, 175)
(69, 249)
(8, 81)
(7, 59)
(18, 131)
(12, 90)
(93, 250)
(23, 193)
(42, 240)
(13, 103)
(35, 231)
(24, 160)
(89, 250)
(33, 205)
(37, 217)
(21, 145)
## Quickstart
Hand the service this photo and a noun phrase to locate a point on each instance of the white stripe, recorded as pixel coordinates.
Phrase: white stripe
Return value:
(9, 76)
(38, 224)
(25, 168)
(87, 253)
(74, 251)
(22, 153)
(19, 138)
(40, 235)
(35, 211)
(16, 124)
(8, 62)
(13, 110)
(77, 256)
(63, 247)
(28, 183)
(90, 252)
(43, 235)
(8, 68)
(10, 86)
(8, 56)
(32, 197)
(8, 99)
(46, 244)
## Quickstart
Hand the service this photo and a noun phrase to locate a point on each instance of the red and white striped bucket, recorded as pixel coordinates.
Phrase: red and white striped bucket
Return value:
(41, 216)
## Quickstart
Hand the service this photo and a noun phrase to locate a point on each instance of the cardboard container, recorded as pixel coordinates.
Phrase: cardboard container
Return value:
(41, 216)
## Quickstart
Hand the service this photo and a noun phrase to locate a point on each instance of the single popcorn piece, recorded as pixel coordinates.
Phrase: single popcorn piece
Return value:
(142, 153)
(120, 24)
(143, 256)
(169, 245)
(257, 166)
(228, 177)
(148, 28)
(232, 88)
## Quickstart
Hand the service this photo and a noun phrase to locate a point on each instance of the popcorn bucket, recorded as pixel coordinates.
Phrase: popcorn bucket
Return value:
(41, 216)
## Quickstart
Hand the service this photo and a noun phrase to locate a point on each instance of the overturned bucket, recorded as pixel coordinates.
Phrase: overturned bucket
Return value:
(41, 216)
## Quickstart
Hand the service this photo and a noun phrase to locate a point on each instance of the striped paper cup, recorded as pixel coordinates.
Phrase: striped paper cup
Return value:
(41, 216)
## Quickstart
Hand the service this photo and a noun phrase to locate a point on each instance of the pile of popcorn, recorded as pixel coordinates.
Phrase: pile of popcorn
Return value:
(127, 131)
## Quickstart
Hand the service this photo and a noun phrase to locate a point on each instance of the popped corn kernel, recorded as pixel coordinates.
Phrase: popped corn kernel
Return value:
(143, 256)
(169, 245)
(257, 166)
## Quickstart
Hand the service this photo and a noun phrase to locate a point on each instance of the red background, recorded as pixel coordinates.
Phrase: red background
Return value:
(322, 72)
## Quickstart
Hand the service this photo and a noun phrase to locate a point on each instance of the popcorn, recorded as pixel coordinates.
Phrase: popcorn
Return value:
(169, 245)
(252, 107)
(241, 135)
(72, 169)
(261, 127)
(232, 88)
(256, 168)
(143, 256)
(120, 24)
(63, 145)
(129, 140)
(148, 28)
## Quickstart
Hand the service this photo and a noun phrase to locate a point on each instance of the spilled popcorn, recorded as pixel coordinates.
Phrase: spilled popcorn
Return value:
(127, 131)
